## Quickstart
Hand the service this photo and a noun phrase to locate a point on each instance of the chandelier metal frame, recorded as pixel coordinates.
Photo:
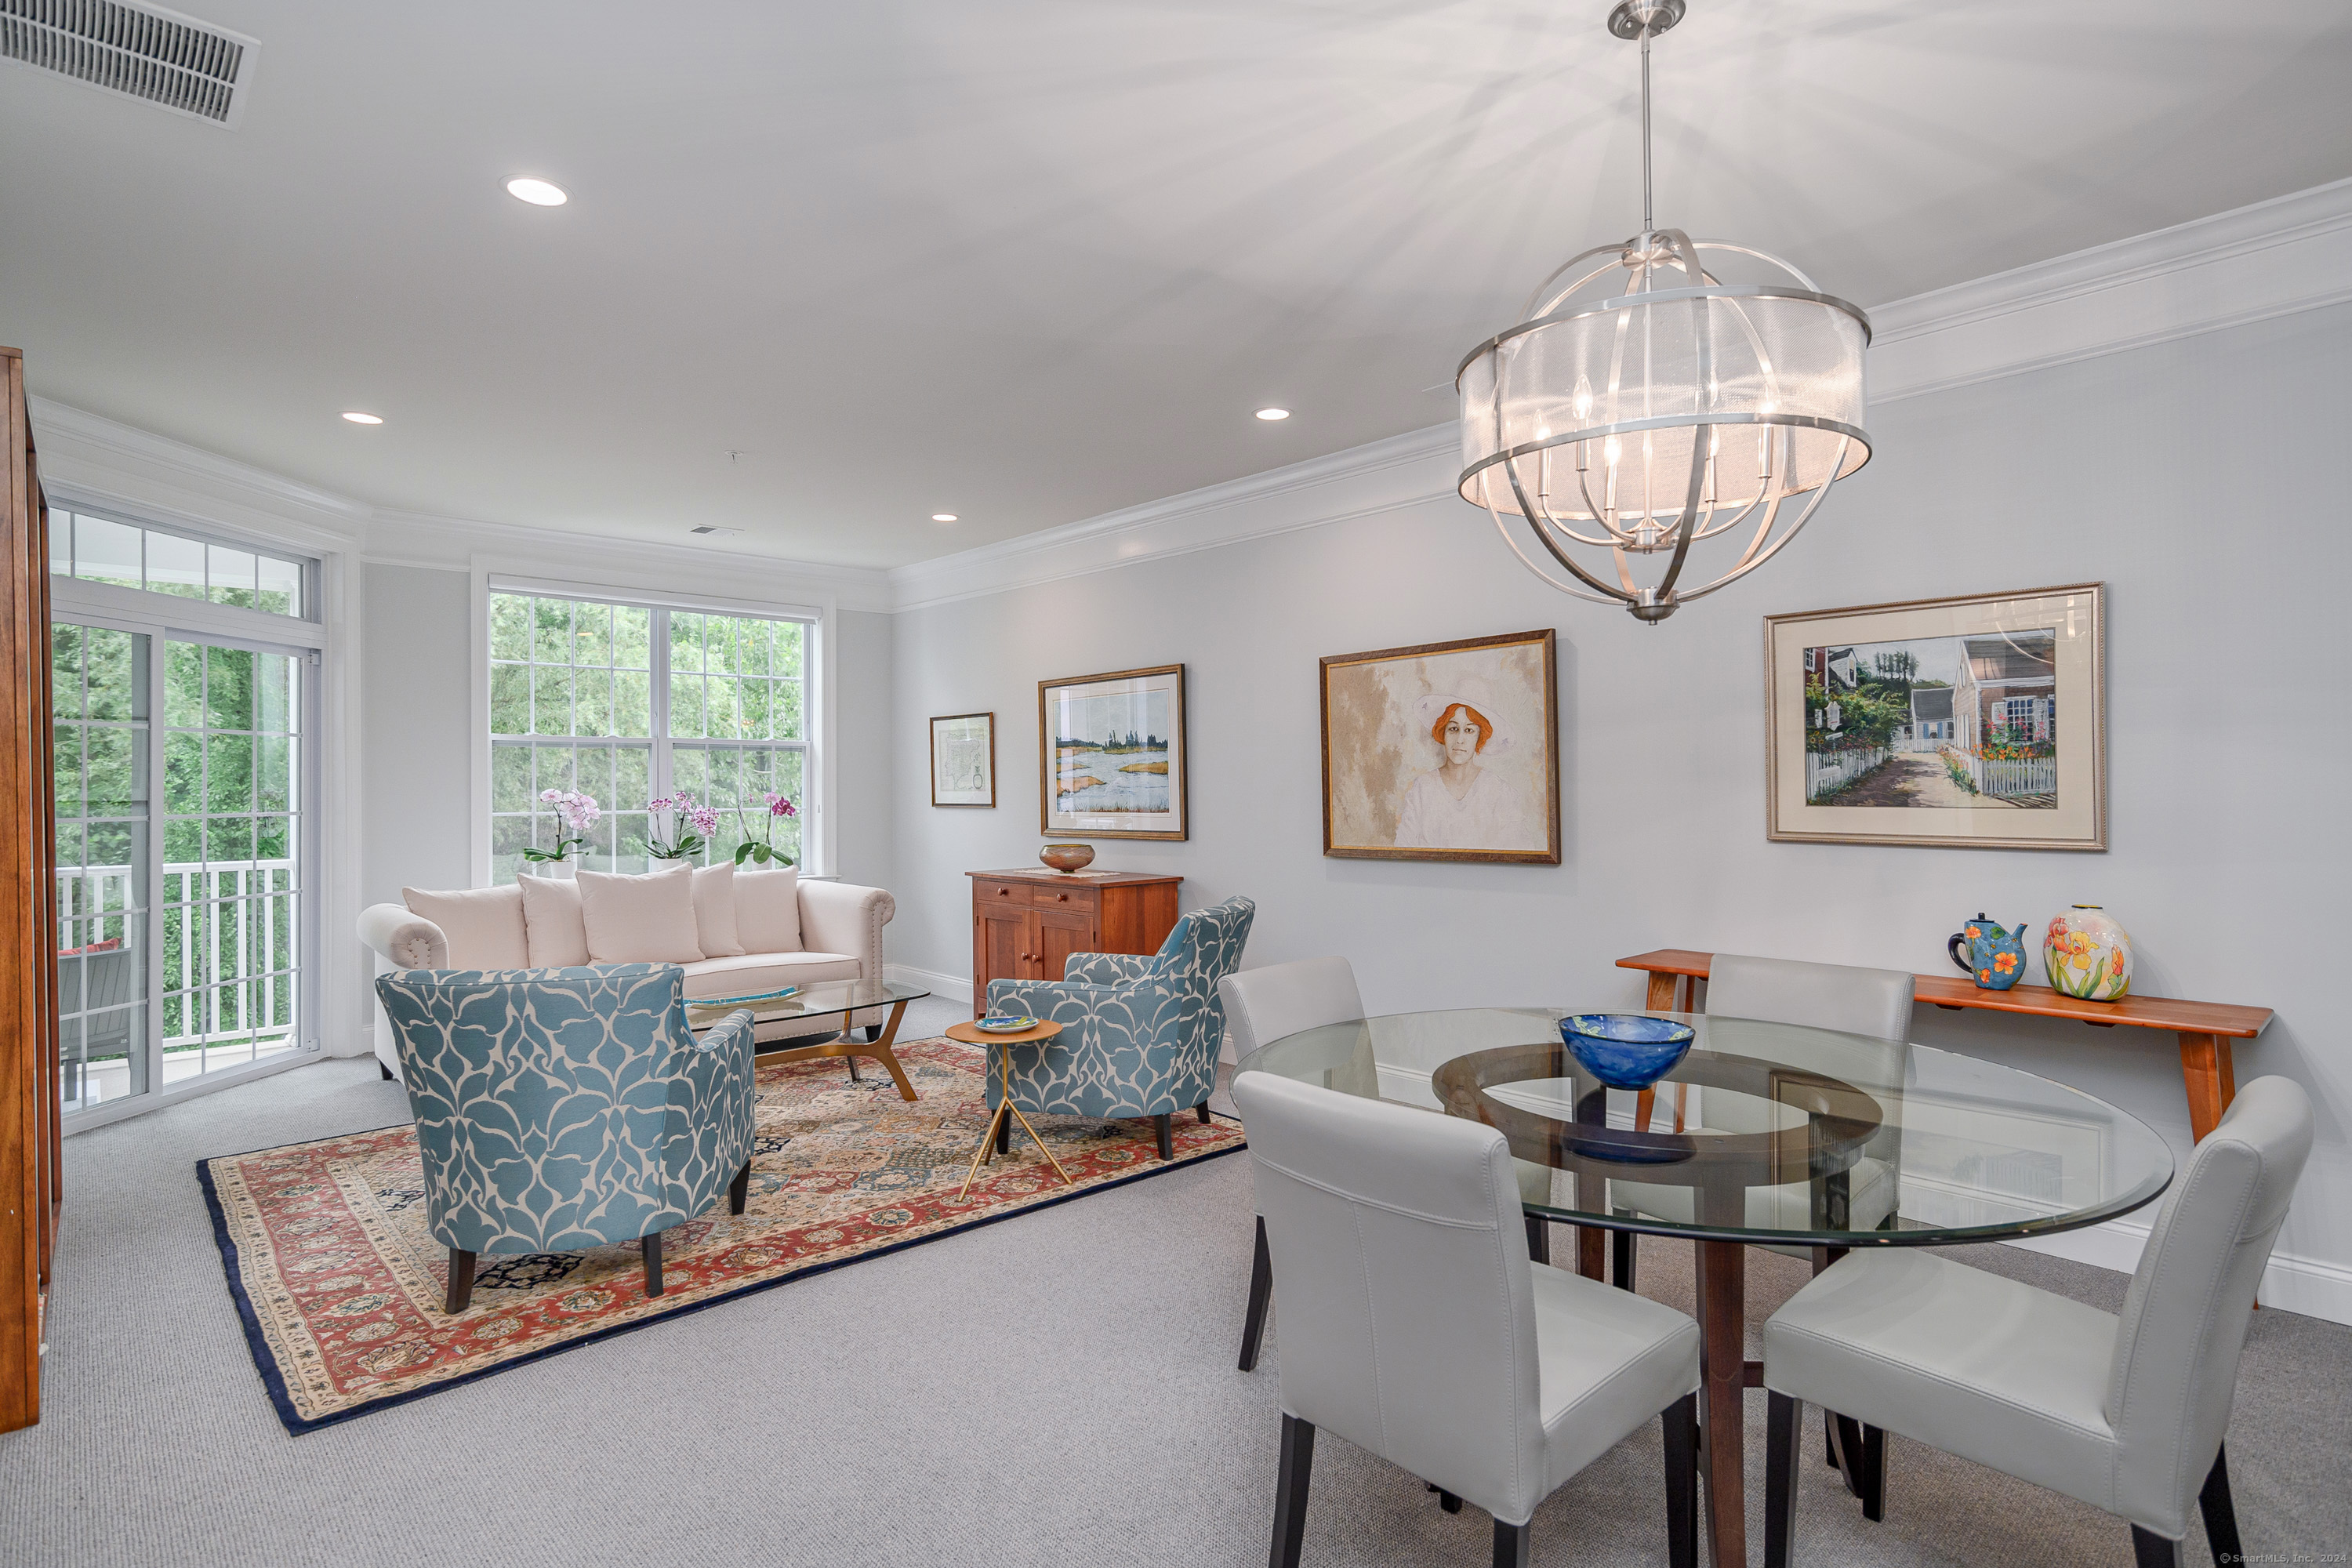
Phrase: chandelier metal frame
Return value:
(1655, 253)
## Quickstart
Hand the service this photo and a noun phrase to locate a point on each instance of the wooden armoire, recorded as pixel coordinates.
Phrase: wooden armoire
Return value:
(30, 1156)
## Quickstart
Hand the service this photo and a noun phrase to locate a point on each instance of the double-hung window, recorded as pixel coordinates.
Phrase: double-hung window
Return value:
(633, 703)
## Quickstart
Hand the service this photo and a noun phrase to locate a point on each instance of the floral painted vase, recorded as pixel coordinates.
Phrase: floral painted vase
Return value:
(1994, 958)
(2088, 955)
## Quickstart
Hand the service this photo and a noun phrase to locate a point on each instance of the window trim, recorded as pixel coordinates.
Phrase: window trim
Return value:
(490, 578)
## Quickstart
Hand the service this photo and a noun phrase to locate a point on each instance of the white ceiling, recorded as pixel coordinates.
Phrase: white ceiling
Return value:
(1032, 260)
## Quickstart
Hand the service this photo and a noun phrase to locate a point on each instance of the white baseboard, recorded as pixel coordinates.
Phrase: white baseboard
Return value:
(954, 987)
(2309, 1286)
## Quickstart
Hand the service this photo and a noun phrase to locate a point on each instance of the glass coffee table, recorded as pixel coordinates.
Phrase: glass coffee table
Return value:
(826, 998)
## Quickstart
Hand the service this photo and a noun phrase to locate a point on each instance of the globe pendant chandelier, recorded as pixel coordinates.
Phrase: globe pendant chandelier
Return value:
(1661, 393)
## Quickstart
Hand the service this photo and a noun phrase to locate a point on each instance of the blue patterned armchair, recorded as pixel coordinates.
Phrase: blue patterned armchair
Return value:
(568, 1108)
(1139, 1036)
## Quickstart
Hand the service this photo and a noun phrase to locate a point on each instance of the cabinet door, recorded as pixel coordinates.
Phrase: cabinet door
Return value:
(1001, 949)
(1061, 932)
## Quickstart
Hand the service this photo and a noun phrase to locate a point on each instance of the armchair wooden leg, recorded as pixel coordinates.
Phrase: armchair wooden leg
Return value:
(1510, 1545)
(873, 1033)
(738, 1191)
(2221, 1516)
(1447, 1500)
(1623, 1251)
(1290, 1492)
(1539, 1241)
(1682, 1482)
(384, 1069)
(1005, 1132)
(651, 1246)
(461, 1281)
(1261, 1292)
(2150, 1550)
(1202, 1110)
(1783, 1416)
(1160, 1124)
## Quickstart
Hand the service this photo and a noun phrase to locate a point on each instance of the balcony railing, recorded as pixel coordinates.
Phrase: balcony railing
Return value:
(231, 936)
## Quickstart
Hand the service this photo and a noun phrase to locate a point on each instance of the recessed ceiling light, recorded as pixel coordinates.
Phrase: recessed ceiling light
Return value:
(1273, 412)
(538, 193)
(356, 417)
(943, 516)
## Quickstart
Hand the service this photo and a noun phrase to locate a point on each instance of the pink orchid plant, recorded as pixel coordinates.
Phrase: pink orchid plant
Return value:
(576, 813)
(682, 826)
(763, 850)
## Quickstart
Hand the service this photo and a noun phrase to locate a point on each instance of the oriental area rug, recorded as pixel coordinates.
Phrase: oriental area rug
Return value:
(340, 1285)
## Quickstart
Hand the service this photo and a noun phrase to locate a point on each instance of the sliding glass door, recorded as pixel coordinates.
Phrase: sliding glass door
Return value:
(102, 707)
(233, 871)
(184, 947)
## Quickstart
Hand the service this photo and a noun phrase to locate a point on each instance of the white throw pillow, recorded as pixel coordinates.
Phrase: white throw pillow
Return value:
(484, 925)
(768, 911)
(640, 920)
(714, 911)
(551, 909)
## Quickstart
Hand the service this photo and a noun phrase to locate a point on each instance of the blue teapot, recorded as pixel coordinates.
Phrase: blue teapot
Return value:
(1994, 958)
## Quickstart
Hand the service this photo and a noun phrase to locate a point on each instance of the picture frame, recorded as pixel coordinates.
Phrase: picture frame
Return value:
(1977, 722)
(964, 759)
(1111, 755)
(1446, 751)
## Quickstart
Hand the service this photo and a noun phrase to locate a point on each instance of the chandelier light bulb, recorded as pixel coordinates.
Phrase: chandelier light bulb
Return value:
(1662, 337)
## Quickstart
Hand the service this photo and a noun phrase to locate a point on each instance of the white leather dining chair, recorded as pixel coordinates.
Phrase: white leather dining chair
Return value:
(1431, 1339)
(1872, 1004)
(1262, 1004)
(2125, 1414)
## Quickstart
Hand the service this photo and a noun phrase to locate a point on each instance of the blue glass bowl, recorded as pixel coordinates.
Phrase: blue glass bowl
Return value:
(1625, 1050)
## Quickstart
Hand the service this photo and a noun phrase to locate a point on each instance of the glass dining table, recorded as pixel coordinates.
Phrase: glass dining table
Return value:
(1763, 1134)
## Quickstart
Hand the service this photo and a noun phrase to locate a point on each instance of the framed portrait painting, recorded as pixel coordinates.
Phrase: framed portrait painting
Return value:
(1449, 751)
(1110, 755)
(963, 760)
(1978, 721)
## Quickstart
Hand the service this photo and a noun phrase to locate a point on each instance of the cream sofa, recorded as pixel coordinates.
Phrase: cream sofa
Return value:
(788, 931)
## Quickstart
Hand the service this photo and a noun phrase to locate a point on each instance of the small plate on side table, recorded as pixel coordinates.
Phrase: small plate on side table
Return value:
(998, 1024)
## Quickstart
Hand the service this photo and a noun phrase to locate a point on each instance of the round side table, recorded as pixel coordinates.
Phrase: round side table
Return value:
(973, 1034)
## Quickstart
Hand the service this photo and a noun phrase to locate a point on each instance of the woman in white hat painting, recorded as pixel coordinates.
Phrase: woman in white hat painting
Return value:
(1464, 804)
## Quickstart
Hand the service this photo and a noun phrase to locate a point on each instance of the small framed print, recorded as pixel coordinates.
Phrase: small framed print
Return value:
(1110, 755)
(963, 760)
(1448, 751)
(1978, 722)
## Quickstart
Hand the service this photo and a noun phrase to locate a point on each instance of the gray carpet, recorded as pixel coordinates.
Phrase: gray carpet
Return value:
(1056, 1389)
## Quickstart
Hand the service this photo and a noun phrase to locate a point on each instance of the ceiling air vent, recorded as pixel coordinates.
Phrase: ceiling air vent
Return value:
(171, 61)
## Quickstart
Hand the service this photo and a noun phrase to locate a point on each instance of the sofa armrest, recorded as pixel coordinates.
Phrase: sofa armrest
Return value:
(837, 917)
(404, 941)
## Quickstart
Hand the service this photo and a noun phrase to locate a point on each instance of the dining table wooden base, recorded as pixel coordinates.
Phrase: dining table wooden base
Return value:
(1723, 1384)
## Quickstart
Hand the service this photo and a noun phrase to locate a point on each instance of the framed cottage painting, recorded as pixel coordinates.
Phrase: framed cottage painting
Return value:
(1110, 755)
(1446, 752)
(1978, 721)
(963, 760)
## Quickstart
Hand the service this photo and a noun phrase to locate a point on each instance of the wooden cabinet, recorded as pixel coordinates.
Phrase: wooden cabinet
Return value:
(29, 1112)
(1027, 924)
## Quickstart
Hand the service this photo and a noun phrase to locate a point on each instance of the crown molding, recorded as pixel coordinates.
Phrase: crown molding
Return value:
(102, 462)
(1362, 481)
(2272, 259)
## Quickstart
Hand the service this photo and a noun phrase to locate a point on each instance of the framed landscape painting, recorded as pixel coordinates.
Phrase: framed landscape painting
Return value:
(1978, 721)
(1110, 755)
(963, 760)
(1448, 751)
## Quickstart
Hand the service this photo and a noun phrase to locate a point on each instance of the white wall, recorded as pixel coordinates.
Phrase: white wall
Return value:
(2196, 478)
(415, 806)
(862, 794)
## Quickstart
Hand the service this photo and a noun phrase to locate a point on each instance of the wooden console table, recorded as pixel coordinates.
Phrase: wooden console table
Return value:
(2206, 1028)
